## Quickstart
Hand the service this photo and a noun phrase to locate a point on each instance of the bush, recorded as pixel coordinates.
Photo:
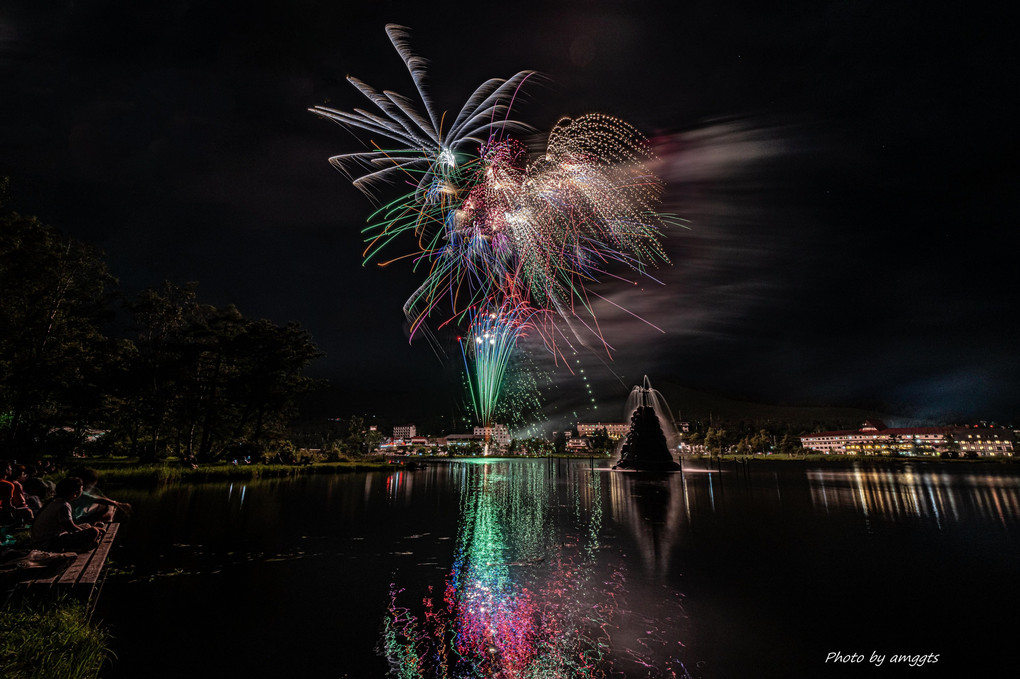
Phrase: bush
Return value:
(282, 451)
(307, 456)
(337, 451)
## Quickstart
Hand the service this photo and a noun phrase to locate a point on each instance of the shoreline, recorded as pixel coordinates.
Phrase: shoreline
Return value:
(124, 473)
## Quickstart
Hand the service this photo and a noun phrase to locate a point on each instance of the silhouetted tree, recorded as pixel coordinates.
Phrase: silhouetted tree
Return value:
(56, 292)
(760, 442)
(716, 440)
(559, 443)
(600, 442)
(789, 445)
(358, 438)
(193, 379)
(156, 378)
(210, 378)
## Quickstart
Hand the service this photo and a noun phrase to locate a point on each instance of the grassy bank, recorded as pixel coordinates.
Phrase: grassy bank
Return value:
(50, 640)
(170, 473)
(126, 472)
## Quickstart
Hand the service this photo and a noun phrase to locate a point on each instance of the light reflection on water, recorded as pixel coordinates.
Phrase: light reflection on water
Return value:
(525, 596)
(582, 576)
(532, 568)
(931, 496)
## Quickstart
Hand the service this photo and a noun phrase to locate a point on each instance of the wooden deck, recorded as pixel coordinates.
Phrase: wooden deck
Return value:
(85, 574)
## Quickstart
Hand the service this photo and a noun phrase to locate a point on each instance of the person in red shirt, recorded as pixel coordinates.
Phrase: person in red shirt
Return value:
(17, 477)
(13, 509)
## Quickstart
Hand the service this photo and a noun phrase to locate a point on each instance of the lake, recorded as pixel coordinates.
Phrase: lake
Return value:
(545, 568)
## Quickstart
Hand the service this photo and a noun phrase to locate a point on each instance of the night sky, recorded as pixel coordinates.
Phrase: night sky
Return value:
(847, 170)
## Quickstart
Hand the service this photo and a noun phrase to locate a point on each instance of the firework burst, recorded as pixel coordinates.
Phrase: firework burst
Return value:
(507, 236)
(487, 349)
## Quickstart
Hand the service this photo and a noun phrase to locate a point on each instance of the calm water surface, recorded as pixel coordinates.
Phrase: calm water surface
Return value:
(533, 568)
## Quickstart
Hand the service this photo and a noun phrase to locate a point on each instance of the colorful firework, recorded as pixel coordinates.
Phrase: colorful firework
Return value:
(425, 156)
(502, 231)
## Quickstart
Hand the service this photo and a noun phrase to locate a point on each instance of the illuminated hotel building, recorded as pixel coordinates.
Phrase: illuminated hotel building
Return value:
(614, 429)
(874, 438)
(984, 442)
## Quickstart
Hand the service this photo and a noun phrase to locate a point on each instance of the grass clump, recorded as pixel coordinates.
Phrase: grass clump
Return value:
(50, 640)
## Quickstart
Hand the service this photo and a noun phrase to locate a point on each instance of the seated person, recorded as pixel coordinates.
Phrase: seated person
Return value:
(13, 509)
(54, 529)
(93, 506)
(17, 477)
(37, 492)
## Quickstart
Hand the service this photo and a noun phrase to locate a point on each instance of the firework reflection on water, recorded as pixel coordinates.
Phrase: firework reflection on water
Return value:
(535, 590)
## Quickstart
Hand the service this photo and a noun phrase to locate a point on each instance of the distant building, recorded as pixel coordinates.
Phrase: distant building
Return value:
(406, 431)
(577, 445)
(874, 438)
(496, 432)
(462, 439)
(87, 436)
(986, 442)
(616, 430)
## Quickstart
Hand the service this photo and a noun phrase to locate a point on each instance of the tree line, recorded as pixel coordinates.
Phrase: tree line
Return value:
(717, 440)
(157, 374)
